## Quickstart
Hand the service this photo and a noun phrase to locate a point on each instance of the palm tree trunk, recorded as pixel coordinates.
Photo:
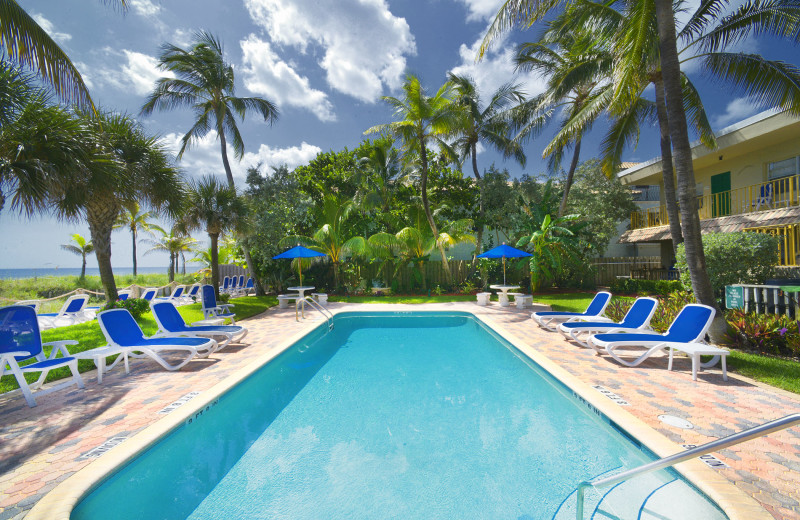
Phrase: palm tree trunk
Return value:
(224, 148)
(183, 263)
(133, 234)
(171, 270)
(426, 207)
(481, 213)
(214, 237)
(101, 216)
(83, 266)
(679, 134)
(570, 175)
(335, 275)
(670, 198)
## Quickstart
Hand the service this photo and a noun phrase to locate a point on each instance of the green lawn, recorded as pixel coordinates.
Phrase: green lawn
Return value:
(90, 336)
(781, 373)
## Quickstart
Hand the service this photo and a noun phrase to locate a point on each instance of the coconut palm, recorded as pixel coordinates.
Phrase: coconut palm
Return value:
(490, 124)
(134, 219)
(380, 175)
(26, 43)
(205, 83)
(213, 207)
(173, 242)
(43, 147)
(128, 165)
(80, 247)
(576, 69)
(330, 238)
(423, 121)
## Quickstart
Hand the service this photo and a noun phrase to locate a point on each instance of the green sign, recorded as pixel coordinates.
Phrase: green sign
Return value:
(734, 297)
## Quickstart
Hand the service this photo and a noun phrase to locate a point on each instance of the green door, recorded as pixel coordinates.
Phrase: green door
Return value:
(721, 194)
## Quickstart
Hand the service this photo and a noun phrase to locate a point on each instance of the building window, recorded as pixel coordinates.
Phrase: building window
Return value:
(784, 168)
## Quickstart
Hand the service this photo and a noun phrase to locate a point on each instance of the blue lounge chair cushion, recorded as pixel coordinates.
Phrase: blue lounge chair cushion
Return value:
(686, 328)
(639, 313)
(47, 363)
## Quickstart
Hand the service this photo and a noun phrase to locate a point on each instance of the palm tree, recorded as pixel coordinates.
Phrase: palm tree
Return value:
(490, 124)
(575, 68)
(330, 237)
(134, 219)
(80, 247)
(42, 146)
(128, 165)
(380, 175)
(205, 82)
(26, 43)
(423, 120)
(213, 207)
(173, 242)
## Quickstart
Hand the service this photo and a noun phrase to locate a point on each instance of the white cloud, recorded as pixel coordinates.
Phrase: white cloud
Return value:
(365, 45)
(266, 74)
(482, 9)
(204, 158)
(138, 72)
(737, 110)
(292, 157)
(145, 7)
(181, 38)
(50, 29)
(495, 69)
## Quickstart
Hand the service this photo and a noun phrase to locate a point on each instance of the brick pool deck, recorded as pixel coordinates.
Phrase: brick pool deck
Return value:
(41, 447)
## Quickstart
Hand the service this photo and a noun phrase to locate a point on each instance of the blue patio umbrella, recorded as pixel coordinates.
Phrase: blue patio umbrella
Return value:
(504, 251)
(299, 251)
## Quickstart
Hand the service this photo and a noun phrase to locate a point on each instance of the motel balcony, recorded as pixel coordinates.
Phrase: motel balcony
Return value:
(769, 207)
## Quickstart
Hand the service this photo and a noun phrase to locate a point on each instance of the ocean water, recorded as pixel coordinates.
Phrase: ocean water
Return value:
(421, 415)
(76, 271)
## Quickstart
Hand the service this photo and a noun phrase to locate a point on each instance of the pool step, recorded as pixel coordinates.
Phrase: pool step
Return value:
(647, 497)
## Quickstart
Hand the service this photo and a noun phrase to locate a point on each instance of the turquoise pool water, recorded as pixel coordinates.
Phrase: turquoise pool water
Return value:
(423, 415)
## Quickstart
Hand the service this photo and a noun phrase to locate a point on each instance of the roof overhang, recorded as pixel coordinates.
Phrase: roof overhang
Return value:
(771, 218)
(761, 130)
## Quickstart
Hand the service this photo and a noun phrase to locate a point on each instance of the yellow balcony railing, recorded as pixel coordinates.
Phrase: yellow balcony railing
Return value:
(788, 242)
(779, 193)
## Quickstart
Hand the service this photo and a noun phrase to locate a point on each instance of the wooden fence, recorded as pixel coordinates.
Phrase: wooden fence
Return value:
(607, 270)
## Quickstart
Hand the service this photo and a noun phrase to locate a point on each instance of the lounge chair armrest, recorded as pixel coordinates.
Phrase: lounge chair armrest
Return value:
(12, 355)
(225, 307)
(59, 346)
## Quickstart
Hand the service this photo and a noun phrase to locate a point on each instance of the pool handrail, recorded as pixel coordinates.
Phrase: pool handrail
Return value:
(315, 305)
(704, 449)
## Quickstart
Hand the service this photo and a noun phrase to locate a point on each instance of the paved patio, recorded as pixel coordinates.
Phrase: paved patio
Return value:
(41, 447)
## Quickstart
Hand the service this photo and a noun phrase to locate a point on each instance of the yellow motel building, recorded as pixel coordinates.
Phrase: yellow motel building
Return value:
(748, 183)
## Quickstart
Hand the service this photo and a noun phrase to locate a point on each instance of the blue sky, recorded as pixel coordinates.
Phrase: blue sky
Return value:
(326, 63)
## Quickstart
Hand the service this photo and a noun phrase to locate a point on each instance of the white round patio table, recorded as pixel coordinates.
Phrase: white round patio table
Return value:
(502, 294)
(301, 290)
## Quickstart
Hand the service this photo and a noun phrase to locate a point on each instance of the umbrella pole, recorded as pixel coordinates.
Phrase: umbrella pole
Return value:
(300, 270)
(504, 270)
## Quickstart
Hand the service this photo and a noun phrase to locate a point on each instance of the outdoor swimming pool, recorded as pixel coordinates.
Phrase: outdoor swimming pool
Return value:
(392, 415)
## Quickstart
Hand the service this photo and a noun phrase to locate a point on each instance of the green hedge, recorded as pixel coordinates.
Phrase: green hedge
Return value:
(732, 258)
(634, 286)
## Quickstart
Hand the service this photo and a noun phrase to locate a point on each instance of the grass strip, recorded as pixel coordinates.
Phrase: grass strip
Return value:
(780, 373)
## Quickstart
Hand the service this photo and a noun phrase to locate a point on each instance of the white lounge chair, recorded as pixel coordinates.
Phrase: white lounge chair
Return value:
(594, 312)
(22, 341)
(210, 307)
(122, 331)
(171, 324)
(686, 334)
(71, 312)
(636, 319)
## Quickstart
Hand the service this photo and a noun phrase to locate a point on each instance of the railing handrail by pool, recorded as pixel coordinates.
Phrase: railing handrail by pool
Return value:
(773, 194)
(736, 438)
(315, 305)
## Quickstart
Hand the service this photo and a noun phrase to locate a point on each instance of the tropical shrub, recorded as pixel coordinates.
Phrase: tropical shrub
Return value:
(731, 258)
(136, 306)
(668, 308)
(765, 333)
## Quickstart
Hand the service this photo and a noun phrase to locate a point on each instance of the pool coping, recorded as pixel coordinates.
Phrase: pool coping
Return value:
(59, 503)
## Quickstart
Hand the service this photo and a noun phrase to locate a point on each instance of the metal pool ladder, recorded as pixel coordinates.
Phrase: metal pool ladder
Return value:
(736, 438)
(315, 305)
